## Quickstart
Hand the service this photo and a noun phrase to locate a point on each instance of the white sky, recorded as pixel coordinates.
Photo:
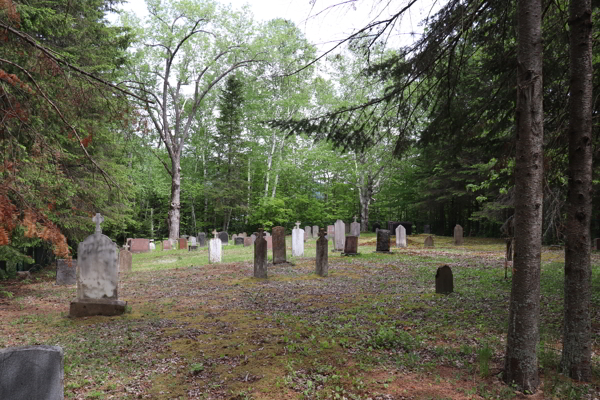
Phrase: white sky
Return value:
(323, 25)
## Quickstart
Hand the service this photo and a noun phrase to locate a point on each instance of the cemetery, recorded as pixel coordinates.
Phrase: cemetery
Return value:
(299, 199)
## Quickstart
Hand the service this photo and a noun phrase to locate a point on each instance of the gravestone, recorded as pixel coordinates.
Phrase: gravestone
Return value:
(235, 236)
(214, 250)
(243, 234)
(315, 232)
(182, 243)
(279, 245)
(128, 243)
(66, 272)
(383, 241)
(248, 241)
(427, 229)
(444, 281)
(32, 373)
(269, 240)
(346, 229)
(429, 241)
(201, 238)
(330, 232)
(193, 241)
(298, 241)
(339, 235)
(139, 245)
(151, 245)
(355, 228)
(125, 261)
(267, 234)
(224, 236)
(253, 237)
(97, 276)
(239, 241)
(322, 264)
(260, 256)
(400, 236)
(167, 245)
(376, 226)
(307, 233)
(458, 235)
(351, 246)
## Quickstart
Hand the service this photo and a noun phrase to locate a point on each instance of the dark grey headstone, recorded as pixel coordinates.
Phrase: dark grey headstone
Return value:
(351, 246)
(260, 256)
(444, 281)
(279, 245)
(224, 236)
(322, 267)
(383, 241)
(239, 241)
(66, 272)
(201, 239)
(376, 226)
(31, 373)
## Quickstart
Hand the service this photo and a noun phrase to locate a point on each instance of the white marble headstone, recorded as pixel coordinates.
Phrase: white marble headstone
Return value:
(339, 235)
(297, 241)
(215, 250)
(400, 236)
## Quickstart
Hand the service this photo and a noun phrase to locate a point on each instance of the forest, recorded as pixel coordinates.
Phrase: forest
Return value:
(197, 117)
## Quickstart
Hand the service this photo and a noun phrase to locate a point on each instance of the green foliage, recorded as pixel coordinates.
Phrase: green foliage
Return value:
(270, 212)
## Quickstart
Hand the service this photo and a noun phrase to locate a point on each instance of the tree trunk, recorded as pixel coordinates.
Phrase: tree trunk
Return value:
(521, 365)
(270, 163)
(576, 355)
(175, 209)
(364, 195)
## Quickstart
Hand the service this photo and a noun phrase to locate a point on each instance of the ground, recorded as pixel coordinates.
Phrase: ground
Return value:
(373, 329)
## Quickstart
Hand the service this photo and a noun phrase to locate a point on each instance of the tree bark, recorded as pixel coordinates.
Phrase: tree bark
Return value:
(175, 208)
(576, 355)
(521, 364)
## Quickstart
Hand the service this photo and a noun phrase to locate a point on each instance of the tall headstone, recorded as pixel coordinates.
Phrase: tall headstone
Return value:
(383, 241)
(31, 373)
(248, 241)
(201, 239)
(400, 236)
(239, 241)
(355, 228)
(444, 281)
(307, 233)
(182, 243)
(66, 272)
(193, 241)
(214, 250)
(298, 241)
(429, 241)
(139, 245)
(322, 267)
(260, 256)
(224, 236)
(458, 235)
(166, 245)
(351, 246)
(279, 245)
(315, 232)
(125, 261)
(339, 235)
(97, 276)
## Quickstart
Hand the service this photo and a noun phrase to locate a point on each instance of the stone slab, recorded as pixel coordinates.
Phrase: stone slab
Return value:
(182, 243)
(97, 268)
(166, 245)
(91, 307)
(66, 272)
(248, 241)
(139, 245)
(125, 261)
(32, 373)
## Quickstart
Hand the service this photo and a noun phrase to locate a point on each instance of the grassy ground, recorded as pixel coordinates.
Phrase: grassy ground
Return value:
(373, 329)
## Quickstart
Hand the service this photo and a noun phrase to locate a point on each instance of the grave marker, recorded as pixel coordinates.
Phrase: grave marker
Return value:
(248, 241)
(139, 245)
(339, 234)
(224, 236)
(307, 233)
(400, 236)
(383, 241)
(322, 264)
(279, 245)
(182, 243)
(214, 250)
(239, 241)
(166, 245)
(315, 232)
(201, 238)
(351, 246)
(444, 281)
(458, 235)
(298, 241)
(260, 256)
(269, 240)
(125, 261)
(66, 272)
(355, 228)
(429, 241)
(427, 229)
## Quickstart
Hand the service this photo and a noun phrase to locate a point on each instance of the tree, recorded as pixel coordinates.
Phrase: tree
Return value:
(523, 324)
(185, 44)
(576, 355)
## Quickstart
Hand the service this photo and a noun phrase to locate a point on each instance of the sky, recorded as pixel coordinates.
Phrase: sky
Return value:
(324, 24)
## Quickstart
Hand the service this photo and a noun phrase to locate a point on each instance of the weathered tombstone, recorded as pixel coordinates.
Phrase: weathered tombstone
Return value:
(248, 241)
(239, 241)
(125, 261)
(151, 245)
(298, 241)
(458, 235)
(214, 250)
(224, 236)
(315, 232)
(253, 237)
(444, 281)
(383, 241)
(139, 245)
(346, 229)
(351, 246)
(355, 228)
(66, 272)
(233, 237)
(167, 245)
(339, 235)
(269, 240)
(429, 241)
(260, 256)
(193, 241)
(400, 236)
(322, 267)
(201, 238)
(182, 243)
(427, 229)
(330, 232)
(243, 234)
(267, 234)
(307, 233)
(279, 245)
(32, 373)
(97, 276)
(376, 226)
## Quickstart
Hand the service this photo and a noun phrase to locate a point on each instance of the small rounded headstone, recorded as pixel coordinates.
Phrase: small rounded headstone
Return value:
(444, 281)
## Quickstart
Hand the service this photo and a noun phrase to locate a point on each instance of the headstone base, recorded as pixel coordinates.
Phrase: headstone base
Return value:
(92, 307)
(194, 248)
(384, 252)
(350, 254)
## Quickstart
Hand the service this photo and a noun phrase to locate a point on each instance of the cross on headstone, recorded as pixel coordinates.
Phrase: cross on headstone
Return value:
(322, 232)
(214, 232)
(261, 233)
(98, 219)
(355, 218)
(297, 224)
